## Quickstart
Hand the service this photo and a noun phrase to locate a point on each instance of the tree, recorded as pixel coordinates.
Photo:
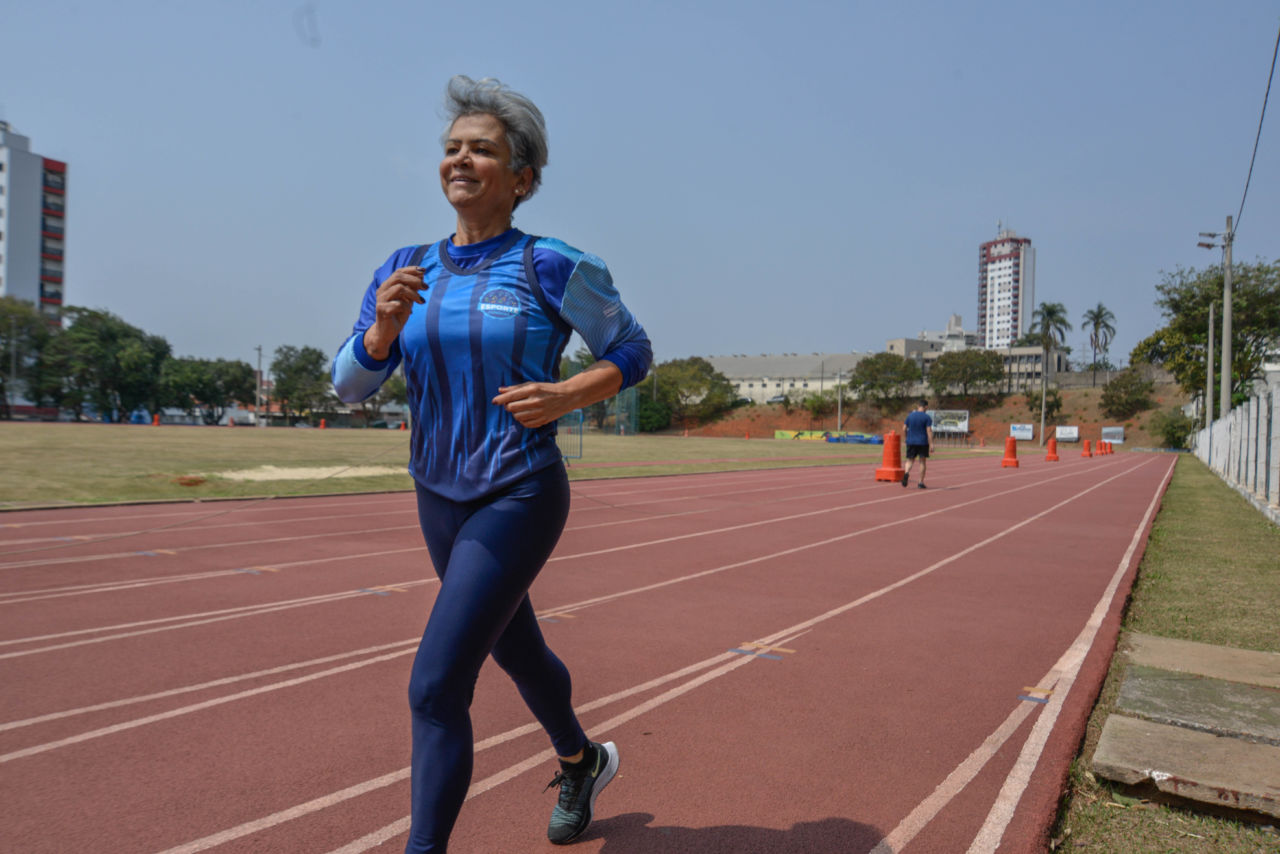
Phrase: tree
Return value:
(1050, 324)
(1098, 320)
(102, 362)
(693, 390)
(1052, 407)
(1126, 395)
(652, 415)
(969, 370)
(1184, 298)
(885, 379)
(301, 379)
(207, 385)
(819, 405)
(23, 337)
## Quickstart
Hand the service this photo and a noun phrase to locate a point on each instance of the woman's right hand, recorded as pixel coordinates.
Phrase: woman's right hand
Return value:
(395, 299)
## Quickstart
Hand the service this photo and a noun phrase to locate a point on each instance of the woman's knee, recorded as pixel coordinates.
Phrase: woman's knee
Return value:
(440, 699)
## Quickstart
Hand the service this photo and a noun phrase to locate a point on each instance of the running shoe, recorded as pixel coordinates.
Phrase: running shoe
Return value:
(579, 785)
(921, 485)
(904, 479)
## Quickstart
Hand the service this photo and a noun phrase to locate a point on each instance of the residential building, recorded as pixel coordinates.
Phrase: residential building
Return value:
(33, 207)
(1006, 289)
(768, 376)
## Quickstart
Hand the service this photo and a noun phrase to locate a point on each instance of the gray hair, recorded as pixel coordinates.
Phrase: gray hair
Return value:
(526, 130)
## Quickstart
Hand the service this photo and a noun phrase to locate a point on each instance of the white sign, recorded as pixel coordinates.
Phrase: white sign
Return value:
(1067, 434)
(950, 420)
(1022, 432)
(1113, 434)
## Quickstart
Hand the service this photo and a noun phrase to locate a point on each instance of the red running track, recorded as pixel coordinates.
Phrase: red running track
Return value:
(797, 660)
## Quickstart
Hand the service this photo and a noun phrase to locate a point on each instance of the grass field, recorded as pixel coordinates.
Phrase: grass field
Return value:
(55, 464)
(1210, 573)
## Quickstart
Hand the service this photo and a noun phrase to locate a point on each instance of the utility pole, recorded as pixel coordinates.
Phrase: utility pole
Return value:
(1224, 407)
(839, 401)
(10, 385)
(1228, 237)
(1208, 374)
(257, 400)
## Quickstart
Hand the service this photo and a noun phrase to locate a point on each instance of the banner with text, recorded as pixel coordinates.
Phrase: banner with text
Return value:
(950, 420)
(1022, 432)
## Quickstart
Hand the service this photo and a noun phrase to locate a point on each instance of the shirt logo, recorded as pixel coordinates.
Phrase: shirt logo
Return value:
(500, 303)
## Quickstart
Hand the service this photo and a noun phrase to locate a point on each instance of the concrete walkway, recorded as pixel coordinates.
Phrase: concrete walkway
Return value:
(1200, 723)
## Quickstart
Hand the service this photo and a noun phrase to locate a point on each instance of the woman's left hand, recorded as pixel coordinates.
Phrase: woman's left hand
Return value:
(535, 404)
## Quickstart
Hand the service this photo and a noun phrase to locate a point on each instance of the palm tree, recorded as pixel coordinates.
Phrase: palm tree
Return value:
(1050, 325)
(1098, 322)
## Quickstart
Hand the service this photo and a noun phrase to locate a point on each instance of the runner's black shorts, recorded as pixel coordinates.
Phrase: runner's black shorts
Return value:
(914, 451)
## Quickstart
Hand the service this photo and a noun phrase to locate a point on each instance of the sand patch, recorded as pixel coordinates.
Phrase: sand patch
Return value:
(309, 472)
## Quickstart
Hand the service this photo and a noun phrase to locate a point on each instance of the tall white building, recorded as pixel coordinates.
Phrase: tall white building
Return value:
(33, 207)
(1006, 289)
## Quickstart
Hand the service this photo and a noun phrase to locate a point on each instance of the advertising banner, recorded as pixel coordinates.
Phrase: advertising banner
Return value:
(1066, 433)
(950, 420)
(1114, 435)
(1022, 432)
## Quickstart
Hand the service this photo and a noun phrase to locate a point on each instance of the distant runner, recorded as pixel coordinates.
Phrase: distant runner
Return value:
(919, 441)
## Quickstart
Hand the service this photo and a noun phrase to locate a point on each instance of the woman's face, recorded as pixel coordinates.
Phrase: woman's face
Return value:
(475, 173)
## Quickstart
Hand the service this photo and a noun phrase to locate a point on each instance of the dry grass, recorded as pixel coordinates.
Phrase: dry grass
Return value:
(53, 464)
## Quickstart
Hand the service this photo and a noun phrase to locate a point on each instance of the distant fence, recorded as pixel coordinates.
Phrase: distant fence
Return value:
(569, 435)
(1244, 449)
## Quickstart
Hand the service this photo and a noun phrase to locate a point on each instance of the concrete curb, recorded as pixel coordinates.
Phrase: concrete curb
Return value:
(1200, 723)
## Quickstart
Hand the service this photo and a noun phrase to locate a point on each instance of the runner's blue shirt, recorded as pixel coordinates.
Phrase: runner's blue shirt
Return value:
(497, 313)
(917, 423)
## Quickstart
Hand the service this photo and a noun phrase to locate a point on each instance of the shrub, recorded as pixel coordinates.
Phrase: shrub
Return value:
(1126, 395)
(1174, 428)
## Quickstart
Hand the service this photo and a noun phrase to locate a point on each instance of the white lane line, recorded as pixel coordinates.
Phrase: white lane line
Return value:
(957, 780)
(1001, 814)
(254, 611)
(731, 659)
(586, 603)
(84, 539)
(203, 686)
(127, 584)
(396, 828)
(325, 801)
(196, 707)
(254, 505)
(23, 564)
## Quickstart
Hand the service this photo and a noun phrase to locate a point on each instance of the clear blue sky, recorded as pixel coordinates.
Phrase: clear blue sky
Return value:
(760, 177)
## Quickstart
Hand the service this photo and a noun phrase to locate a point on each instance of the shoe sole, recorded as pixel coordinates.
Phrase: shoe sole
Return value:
(606, 775)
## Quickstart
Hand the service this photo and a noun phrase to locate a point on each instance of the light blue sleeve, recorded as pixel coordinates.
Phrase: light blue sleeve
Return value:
(356, 374)
(593, 307)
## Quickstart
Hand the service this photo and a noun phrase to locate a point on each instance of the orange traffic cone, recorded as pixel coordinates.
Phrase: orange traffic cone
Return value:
(1010, 460)
(1085, 452)
(155, 420)
(404, 427)
(321, 423)
(891, 467)
(1052, 456)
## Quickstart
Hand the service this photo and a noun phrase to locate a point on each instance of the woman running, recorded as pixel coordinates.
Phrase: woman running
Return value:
(480, 320)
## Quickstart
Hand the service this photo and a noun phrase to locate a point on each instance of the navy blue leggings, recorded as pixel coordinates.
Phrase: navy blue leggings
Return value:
(487, 554)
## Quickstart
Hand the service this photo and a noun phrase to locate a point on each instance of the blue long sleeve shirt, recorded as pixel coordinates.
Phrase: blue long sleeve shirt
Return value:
(497, 313)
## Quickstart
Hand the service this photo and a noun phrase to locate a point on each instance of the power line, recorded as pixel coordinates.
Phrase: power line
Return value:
(1265, 97)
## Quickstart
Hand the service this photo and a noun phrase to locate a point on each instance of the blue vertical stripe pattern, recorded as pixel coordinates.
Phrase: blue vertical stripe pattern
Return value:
(496, 314)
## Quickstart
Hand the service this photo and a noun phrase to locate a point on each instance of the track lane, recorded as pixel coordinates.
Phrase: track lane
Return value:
(671, 617)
